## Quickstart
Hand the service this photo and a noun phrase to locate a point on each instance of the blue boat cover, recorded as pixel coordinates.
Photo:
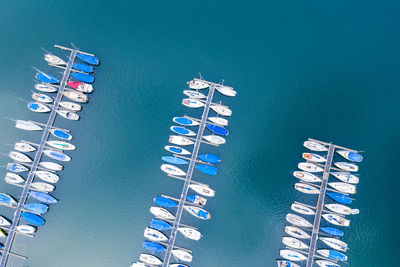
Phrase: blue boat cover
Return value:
(46, 78)
(174, 160)
(341, 198)
(43, 197)
(353, 156)
(33, 106)
(32, 218)
(180, 130)
(332, 231)
(203, 214)
(183, 121)
(335, 255)
(191, 198)
(153, 246)
(4, 198)
(88, 59)
(160, 225)
(61, 134)
(165, 202)
(210, 158)
(37, 208)
(57, 155)
(15, 167)
(83, 77)
(1, 245)
(175, 149)
(83, 67)
(207, 169)
(217, 129)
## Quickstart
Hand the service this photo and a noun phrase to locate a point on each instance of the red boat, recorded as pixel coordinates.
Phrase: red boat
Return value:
(80, 86)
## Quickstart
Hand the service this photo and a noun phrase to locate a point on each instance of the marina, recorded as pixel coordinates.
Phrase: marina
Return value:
(34, 167)
(318, 169)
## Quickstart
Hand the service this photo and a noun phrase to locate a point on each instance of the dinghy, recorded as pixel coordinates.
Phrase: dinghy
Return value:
(182, 255)
(150, 259)
(309, 167)
(198, 212)
(42, 98)
(297, 232)
(305, 188)
(285, 263)
(293, 243)
(51, 166)
(27, 125)
(81, 87)
(332, 254)
(4, 221)
(198, 85)
(83, 67)
(32, 218)
(38, 208)
(207, 169)
(307, 177)
(154, 235)
(314, 146)
(302, 209)
(342, 209)
(182, 130)
(56, 155)
(41, 186)
(190, 233)
(324, 263)
(180, 140)
(209, 158)
(16, 167)
(341, 198)
(185, 121)
(344, 187)
(61, 134)
(76, 96)
(61, 145)
(350, 155)
(13, 178)
(160, 225)
(202, 190)
(218, 120)
(194, 94)
(313, 157)
(46, 78)
(336, 219)
(332, 231)
(173, 170)
(18, 156)
(24, 147)
(82, 77)
(292, 255)
(217, 129)
(68, 114)
(177, 150)
(38, 107)
(165, 202)
(196, 200)
(7, 199)
(52, 59)
(221, 110)
(226, 91)
(350, 167)
(215, 139)
(70, 106)
(192, 103)
(92, 60)
(297, 220)
(43, 197)
(47, 176)
(334, 243)
(174, 160)
(26, 229)
(45, 88)
(154, 247)
(162, 213)
(346, 177)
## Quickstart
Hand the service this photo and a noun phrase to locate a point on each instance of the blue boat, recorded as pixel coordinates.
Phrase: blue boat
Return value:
(6, 199)
(61, 134)
(46, 78)
(209, 158)
(196, 199)
(185, 121)
(32, 218)
(332, 231)
(83, 77)
(88, 59)
(165, 202)
(38, 208)
(217, 129)
(341, 198)
(333, 254)
(177, 150)
(153, 246)
(16, 167)
(207, 169)
(43, 197)
(174, 160)
(83, 67)
(182, 130)
(160, 225)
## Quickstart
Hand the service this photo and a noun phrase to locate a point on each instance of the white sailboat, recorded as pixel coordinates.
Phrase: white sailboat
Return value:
(47, 176)
(292, 255)
(225, 90)
(334, 243)
(336, 219)
(13, 178)
(150, 259)
(61, 145)
(302, 209)
(70, 106)
(305, 188)
(182, 255)
(52, 59)
(42, 98)
(76, 96)
(180, 140)
(26, 229)
(41, 186)
(314, 146)
(307, 177)
(192, 103)
(297, 232)
(309, 167)
(194, 94)
(154, 235)
(18, 156)
(162, 213)
(313, 157)
(68, 114)
(194, 84)
(350, 167)
(218, 120)
(297, 220)
(325, 263)
(293, 243)
(24, 147)
(171, 169)
(4, 221)
(190, 233)
(27, 125)
(45, 88)
(344, 187)
(51, 166)
(215, 139)
(202, 190)
(346, 177)
(341, 209)
(221, 110)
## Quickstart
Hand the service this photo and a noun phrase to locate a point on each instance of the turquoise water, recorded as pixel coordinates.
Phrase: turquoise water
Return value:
(321, 69)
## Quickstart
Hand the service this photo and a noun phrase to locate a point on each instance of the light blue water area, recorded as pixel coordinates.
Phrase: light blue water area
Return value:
(322, 69)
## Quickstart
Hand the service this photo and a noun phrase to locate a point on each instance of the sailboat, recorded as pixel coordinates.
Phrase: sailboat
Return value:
(314, 146)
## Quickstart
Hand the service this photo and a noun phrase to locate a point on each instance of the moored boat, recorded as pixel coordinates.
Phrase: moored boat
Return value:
(24, 147)
(194, 94)
(174, 160)
(332, 231)
(218, 120)
(61, 145)
(61, 134)
(177, 150)
(154, 247)
(180, 140)
(27, 125)
(195, 199)
(325, 263)
(332, 254)
(297, 220)
(42, 98)
(192, 103)
(13, 178)
(339, 197)
(26, 229)
(334, 243)
(297, 232)
(138, 264)
(70, 106)
(83, 77)
(154, 235)
(215, 139)
(51, 166)
(185, 121)
(90, 59)
(18, 156)
(83, 67)
(202, 190)
(195, 84)
(47, 176)
(81, 87)
(182, 130)
(4, 221)
(171, 169)
(7, 199)
(225, 90)
(314, 146)
(209, 158)
(76, 96)
(313, 157)
(344, 187)
(309, 167)
(43, 197)
(38, 107)
(207, 169)
(336, 219)
(198, 212)
(52, 59)
(217, 129)
(221, 110)
(350, 155)
(160, 225)
(162, 213)
(38, 208)
(56, 155)
(302, 209)
(165, 202)
(341, 209)
(46, 88)
(285, 263)
(150, 259)
(305, 188)
(307, 177)
(292, 255)
(190, 233)
(346, 177)
(16, 167)
(32, 218)
(293, 243)
(41, 186)
(70, 115)
(182, 255)
(350, 167)
(46, 78)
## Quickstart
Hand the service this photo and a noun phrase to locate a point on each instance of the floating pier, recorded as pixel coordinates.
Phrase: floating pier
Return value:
(48, 126)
